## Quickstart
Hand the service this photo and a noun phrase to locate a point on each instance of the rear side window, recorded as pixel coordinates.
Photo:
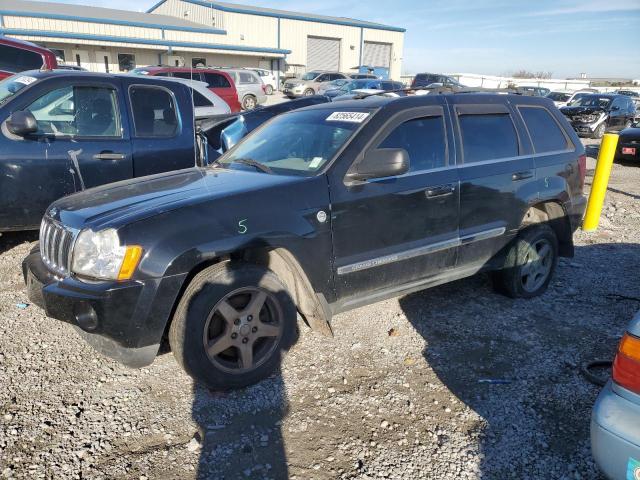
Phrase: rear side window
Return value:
(154, 112)
(488, 137)
(246, 77)
(215, 80)
(423, 139)
(545, 133)
(187, 75)
(18, 60)
(200, 100)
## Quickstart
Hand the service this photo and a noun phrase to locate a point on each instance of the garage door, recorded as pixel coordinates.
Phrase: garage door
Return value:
(376, 54)
(323, 54)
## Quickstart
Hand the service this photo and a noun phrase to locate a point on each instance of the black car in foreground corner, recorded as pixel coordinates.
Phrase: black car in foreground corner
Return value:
(594, 114)
(318, 211)
(629, 143)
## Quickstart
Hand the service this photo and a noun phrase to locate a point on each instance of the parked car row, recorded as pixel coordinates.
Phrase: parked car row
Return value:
(314, 82)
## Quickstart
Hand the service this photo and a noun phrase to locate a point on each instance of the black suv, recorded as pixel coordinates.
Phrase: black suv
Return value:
(434, 80)
(594, 114)
(318, 211)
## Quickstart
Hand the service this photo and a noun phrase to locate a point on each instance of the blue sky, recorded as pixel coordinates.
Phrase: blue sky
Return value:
(566, 37)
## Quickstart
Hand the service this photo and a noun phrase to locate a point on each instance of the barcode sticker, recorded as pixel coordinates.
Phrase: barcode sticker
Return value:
(351, 117)
(25, 80)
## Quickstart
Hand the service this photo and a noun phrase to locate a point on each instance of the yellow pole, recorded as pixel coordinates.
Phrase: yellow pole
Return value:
(600, 182)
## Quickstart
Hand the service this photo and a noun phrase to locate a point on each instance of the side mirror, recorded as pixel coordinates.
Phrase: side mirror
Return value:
(22, 123)
(381, 163)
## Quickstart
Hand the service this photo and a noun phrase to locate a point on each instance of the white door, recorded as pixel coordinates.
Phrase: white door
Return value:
(104, 63)
(323, 54)
(80, 58)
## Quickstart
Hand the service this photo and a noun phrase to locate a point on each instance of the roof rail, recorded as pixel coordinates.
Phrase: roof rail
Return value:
(442, 90)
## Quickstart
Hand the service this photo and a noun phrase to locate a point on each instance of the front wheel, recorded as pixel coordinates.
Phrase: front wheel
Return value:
(309, 92)
(599, 132)
(232, 324)
(530, 262)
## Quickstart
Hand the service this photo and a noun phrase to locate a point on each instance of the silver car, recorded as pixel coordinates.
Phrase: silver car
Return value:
(615, 421)
(310, 83)
(250, 87)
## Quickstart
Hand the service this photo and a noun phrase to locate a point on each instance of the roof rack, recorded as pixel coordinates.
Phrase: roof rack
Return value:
(442, 90)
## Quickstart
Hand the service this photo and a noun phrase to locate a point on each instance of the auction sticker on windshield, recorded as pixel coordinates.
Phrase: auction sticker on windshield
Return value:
(352, 117)
(25, 80)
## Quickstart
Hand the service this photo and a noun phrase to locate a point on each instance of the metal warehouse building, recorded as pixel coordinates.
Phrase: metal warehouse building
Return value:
(192, 32)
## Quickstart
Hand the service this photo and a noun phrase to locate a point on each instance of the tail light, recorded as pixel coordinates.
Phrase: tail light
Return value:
(264, 88)
(626, 366)
(582, 167)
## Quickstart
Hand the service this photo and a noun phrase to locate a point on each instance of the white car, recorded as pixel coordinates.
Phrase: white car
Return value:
(206, 103)
(562, 98)
(268, 78)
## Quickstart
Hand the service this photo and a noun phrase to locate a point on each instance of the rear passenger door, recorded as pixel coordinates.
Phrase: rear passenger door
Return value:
(163, 134)
(497, 176)
(391, 231)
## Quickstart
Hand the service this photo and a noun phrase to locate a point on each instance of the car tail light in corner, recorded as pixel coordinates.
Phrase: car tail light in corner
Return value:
(264, 88)
(626, 365)
(582, 167)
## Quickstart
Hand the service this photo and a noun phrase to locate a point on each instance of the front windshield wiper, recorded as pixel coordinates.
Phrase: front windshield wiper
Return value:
(253, 163)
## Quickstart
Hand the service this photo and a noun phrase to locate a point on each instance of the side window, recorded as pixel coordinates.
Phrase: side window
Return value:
(154, 112)
(200, 100)
(215, 80)
(323, 78)
(186, 75)
(488, 137)
(424, 139)
(246, 77)
(545, 132)
(77, 111)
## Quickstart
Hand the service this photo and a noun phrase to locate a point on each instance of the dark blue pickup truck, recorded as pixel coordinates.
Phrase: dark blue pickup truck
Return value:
(63, 132)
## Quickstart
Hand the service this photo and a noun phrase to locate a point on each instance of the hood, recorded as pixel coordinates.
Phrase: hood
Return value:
(124, 202)
(571, 111)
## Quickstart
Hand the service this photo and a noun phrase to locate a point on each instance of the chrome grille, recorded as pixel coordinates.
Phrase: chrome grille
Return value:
(55, 245)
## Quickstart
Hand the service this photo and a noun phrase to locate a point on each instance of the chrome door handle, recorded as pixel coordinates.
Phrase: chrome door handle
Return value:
(440, 191)
(521, 175)
(109, 156)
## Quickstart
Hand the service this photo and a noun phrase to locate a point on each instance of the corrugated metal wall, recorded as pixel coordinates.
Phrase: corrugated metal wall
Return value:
(377, 54)
(323, 53)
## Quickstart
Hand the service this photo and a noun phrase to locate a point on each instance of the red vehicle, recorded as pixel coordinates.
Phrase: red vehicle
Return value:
(219, 82)
(18, 56)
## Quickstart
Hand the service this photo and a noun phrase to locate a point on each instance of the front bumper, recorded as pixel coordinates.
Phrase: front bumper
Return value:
(122, 320)
(294, 92)
(585, 128)
(615, 433)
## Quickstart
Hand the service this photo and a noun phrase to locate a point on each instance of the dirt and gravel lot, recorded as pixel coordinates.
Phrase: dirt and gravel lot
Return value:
(396, 393)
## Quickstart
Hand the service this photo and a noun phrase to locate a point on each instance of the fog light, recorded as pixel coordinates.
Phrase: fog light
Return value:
(86, 316)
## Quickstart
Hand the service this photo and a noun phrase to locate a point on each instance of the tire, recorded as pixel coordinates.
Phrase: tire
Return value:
(268, 90)
(249, 102)
(599, 132)
(628, 124)
(216, 310)
(527, 273)
(308, 92)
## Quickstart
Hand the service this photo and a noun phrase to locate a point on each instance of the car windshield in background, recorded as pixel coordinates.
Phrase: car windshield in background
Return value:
(12, 85)
(592, 101)
(356, 85)
(559, 97)
(297, 143)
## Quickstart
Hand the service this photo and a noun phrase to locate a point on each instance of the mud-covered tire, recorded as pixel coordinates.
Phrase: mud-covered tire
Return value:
(212, 291)
(530, 262)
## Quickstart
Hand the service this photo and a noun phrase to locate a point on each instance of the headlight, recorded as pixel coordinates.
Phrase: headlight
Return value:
(99, 255)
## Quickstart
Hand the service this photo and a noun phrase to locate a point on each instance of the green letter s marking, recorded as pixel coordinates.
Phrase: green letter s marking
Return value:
(242, 228)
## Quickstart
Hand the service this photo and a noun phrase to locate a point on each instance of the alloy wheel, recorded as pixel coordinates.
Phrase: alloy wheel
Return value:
(243, 330)
(537, 267)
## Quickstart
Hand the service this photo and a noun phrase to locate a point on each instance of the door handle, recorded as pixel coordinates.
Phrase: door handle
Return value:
(109, 156)
(440, 191)
(516, 177)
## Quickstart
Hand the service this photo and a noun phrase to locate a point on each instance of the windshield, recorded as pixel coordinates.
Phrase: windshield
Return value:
(355, 85)
(12, 85)
(296, 143)
(309, 76)
(591, 101)
(559, 96)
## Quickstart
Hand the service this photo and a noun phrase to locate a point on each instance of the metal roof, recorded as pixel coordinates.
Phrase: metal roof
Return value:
(272, 12)
(65, 11)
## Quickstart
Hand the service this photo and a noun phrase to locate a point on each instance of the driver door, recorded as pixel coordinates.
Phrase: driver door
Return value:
(82, 141)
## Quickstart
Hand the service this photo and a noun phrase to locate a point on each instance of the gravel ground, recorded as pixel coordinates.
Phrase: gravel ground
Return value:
(395, 394)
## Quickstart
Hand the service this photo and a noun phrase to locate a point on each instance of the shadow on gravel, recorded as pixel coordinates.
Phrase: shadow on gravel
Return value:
(8, 240)
(536, 413)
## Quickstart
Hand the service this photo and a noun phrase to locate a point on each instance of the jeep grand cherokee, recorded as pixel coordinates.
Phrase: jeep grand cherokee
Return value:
(319, 211)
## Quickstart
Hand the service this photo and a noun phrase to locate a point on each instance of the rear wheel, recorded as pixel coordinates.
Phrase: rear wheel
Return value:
(249, 102)
(529, 264)
(231, 325)
(269, 90)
